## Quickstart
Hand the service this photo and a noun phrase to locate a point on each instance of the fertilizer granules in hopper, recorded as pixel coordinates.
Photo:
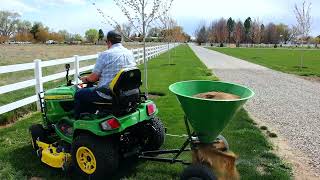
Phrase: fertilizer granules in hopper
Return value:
(217, 96)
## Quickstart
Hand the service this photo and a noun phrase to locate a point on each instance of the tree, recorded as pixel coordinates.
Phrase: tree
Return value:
(285, 33)
(221, 31)
(101, 35)
(23, 32)
(187, 37)
(271, 34)
(303, 23)
(212, 34)
(256, 31)
(24, 26)
(154, 32)
(56, 36)
(247, 28)
(75, 38)
(167, 23)
(316, 41)
(169, 32)
(262, 33)
(65, 35)
(303, 18)
(23, 37)
(230, 24)
(42, 35)
(8, 23)
(3, 39)
(35, 29)
(178, 34)
(126, 29)
(201, 34)
(92, 35)
(239, 33)
(140, 14)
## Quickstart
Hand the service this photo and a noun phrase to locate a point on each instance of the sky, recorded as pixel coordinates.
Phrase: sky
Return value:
(77, 16)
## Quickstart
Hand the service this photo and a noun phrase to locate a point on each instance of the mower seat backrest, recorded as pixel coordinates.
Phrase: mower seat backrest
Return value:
(125, 90)
(125, 80)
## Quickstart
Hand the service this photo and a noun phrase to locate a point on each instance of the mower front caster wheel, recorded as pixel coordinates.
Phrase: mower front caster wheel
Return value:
(95, 157)
(37, 132)
(197, 172)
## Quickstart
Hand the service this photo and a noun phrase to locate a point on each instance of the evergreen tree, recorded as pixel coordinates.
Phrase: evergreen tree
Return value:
(101, 35)
(230, 25)
(247, 27)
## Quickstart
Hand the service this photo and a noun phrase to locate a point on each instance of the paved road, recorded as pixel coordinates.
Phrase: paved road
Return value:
(288, 104)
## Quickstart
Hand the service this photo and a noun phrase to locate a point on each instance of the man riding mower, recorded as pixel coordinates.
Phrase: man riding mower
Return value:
(124, 124)
(96, 136)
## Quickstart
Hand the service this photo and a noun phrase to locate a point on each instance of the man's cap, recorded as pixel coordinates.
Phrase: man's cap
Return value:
(114, 36)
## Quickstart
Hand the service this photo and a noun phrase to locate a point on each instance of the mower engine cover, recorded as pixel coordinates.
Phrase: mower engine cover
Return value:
(59, 103)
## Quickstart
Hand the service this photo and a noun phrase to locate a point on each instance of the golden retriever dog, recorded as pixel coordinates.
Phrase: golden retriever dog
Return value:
(222, 163)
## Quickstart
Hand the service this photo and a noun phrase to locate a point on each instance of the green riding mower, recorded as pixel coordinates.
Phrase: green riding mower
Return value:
(127, 126)
(93, 144)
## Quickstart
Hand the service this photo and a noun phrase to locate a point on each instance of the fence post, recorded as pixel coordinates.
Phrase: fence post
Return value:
(38, 78)
(76, 69)
(157, 50)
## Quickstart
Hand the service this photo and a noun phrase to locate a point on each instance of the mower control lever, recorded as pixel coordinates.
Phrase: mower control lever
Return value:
(67, 66)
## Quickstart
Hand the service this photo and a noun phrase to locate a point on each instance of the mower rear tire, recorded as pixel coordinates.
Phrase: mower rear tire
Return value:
(37, 132)
(197, 172)
(153, 134)
(94, 157)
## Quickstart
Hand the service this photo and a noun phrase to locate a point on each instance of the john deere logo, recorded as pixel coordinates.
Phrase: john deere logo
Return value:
(54, 97)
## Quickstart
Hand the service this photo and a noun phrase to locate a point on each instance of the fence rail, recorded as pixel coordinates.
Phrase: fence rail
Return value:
(39, 80)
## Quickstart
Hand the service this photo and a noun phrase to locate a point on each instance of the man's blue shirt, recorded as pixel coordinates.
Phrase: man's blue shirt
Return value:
(110, 62)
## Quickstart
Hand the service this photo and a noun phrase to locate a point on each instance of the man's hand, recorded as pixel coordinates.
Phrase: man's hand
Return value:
(93, 77)
(84, 79)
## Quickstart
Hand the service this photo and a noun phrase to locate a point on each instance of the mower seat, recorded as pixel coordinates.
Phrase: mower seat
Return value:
(124, 92)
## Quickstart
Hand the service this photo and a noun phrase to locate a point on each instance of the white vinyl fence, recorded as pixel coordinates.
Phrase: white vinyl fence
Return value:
(39, 80)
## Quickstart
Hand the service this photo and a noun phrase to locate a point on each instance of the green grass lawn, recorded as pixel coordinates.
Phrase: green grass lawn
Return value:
(285, 60)
(256, 161)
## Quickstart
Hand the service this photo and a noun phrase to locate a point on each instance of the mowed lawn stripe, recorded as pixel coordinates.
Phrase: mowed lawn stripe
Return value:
(256, 161)
(285, 60)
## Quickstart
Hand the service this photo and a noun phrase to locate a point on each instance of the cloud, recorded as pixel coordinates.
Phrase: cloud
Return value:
(16, 6)
(62, 2)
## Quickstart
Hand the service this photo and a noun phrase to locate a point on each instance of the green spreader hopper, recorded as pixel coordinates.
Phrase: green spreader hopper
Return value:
(208, 117)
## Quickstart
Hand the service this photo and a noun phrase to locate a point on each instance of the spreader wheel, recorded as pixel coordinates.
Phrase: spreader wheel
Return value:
(197, 172)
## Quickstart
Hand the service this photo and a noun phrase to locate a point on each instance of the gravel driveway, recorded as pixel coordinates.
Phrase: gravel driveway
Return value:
(286, 103)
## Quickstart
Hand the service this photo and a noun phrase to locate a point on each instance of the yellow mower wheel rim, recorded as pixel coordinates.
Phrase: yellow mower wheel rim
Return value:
(86, 160)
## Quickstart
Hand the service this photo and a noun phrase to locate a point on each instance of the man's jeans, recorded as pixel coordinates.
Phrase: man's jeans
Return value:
(84, 101)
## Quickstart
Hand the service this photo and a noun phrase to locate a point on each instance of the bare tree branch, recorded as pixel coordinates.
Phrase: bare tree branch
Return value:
(303, 19)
